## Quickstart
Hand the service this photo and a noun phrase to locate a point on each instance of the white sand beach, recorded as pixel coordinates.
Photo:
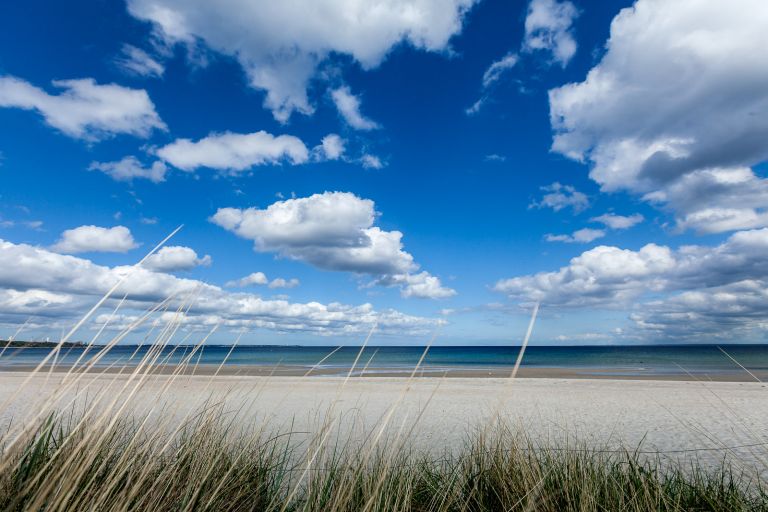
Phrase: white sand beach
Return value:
(707, 419)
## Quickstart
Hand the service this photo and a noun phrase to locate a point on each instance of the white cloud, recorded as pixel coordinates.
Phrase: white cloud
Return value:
(348, 106)
(693, 289)
(604, 276)
(371, 161)
(261, 279)
(35, 225)
(284, 283)
(332, 147)
(422, 285)
(129, 168)
(581, 236)
(495, 70)
(716, 200)
(173, 258)
(490, 77)
(734, 312)
(614, 221)
(588, 337)
(85, 110)
(280, 45)
(234, 152)
(678, 102)
(548, 27)
(256, 278)
(559, 197)
(717, 220)
(476, 106)
(331, 231)
(586, 235)
(136, 61)
(95, 239)
(40, 285)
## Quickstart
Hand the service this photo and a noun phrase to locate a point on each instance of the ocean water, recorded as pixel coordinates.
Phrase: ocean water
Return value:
(614, 360)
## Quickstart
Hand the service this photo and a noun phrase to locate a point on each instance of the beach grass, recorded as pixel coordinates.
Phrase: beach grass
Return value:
(211, 463)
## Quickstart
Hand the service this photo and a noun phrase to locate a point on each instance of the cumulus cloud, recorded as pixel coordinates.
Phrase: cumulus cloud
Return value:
(586, 235)
(42, 286)
(95, 239)
(581, 236)
(716, 200)
(173, 258)
(614, 221)
(720, 287)
(256, 278)
(136, 61)
(284, 283)
(559, 197)
(348, 106)
(678, 102)
(261, 279)
(234, 152)
(331, 231)
(85, 110)
(129, 168)
(280, 45)
(422, 285)
(332, 147)
(548, 27)
(732, 312)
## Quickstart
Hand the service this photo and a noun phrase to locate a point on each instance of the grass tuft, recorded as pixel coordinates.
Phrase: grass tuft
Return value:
(209, 464)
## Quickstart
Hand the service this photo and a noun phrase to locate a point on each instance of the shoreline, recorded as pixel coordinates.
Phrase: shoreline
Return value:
(589, 373)
(680, 418)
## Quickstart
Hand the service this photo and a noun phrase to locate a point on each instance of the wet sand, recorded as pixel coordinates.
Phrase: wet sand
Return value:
(736, 375)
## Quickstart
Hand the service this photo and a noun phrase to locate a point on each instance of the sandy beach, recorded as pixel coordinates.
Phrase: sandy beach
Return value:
(710, 420)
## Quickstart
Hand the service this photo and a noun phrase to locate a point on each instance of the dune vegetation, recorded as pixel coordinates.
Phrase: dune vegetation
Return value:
(209, 463)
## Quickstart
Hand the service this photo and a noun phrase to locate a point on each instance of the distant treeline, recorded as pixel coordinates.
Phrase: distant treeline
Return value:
(38, 344)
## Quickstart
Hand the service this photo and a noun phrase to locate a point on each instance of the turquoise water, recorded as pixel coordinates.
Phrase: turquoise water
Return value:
(618, 360)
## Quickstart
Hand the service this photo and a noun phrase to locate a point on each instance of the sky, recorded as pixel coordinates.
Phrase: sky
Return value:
(415, 169)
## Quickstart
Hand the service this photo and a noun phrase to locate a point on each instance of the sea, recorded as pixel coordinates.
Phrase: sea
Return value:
(657, 360)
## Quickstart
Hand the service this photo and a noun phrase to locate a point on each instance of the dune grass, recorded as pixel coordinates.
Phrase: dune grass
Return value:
(211, 464)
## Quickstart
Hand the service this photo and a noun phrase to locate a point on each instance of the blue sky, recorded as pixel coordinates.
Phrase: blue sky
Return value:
(423, 166)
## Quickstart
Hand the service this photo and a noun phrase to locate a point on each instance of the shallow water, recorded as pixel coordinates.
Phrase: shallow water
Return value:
(694, 360)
